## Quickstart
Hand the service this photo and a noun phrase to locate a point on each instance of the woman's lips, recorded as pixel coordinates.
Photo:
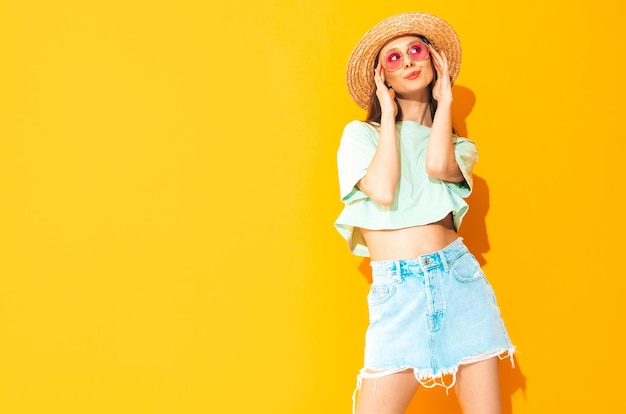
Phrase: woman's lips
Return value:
(413, 75)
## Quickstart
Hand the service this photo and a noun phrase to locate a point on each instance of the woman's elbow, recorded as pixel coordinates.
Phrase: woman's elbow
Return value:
(445, 174)
(435, 169)
(383, 198)
(383, 194)
(443, 171)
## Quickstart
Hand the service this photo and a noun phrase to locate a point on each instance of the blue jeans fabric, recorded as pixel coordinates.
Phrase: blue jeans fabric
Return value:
(430, 315)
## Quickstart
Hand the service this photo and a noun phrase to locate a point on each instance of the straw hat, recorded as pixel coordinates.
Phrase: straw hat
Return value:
(360, 71)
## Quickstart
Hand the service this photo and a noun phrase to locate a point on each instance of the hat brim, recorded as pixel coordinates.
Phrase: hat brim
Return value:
(360, 69)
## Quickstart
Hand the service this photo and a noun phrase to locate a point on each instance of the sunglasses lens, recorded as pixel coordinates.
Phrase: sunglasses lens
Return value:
(392, 60)
(418, 51)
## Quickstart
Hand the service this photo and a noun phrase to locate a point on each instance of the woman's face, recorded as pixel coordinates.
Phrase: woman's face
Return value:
(407, 65)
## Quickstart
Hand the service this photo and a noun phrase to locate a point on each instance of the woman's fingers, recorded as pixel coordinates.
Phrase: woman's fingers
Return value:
(440, 60)
(442, 86)
(381, 72)
(379, 77)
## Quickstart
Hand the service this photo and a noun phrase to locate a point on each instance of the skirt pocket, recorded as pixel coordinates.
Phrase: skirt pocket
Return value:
(380, 292)
(467, 269)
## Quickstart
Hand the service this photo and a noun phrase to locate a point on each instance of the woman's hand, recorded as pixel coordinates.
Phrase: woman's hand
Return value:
(386, 96)
(442, 89)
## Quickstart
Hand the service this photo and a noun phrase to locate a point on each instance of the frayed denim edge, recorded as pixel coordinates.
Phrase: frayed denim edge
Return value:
(426, 378)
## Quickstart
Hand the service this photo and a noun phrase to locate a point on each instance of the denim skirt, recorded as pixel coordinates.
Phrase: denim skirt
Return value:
(430, 315)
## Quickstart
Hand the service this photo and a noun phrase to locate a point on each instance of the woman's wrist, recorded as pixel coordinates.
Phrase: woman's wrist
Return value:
(388, 117)
(445, 99)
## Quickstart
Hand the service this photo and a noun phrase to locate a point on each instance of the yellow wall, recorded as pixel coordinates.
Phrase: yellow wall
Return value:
(168, 188)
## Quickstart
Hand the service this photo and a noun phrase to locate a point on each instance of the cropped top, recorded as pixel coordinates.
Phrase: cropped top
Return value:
(419, 200)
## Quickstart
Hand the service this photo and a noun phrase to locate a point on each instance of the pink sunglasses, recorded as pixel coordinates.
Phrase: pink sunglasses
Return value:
(394, 58)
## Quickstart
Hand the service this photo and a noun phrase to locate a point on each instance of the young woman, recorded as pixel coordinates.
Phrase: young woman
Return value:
(403, 177)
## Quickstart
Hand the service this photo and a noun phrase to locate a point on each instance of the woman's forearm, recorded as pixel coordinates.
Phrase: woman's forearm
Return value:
(381, 180)
(440, 160)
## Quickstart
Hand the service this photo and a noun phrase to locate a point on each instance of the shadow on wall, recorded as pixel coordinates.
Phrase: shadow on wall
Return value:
(474, 228)
(474, 223)
(474, 232)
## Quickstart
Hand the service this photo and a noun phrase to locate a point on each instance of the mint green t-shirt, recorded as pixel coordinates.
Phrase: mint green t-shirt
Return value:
(420, 199)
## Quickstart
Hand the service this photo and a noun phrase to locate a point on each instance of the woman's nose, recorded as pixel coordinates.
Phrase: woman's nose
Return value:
(408, 61)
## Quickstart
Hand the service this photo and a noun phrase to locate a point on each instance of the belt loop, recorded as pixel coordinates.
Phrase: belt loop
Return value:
(398, 275)
(444, 260)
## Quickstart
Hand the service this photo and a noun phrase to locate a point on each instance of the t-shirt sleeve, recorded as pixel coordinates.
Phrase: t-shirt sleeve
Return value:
(356, 150)
(466, 156)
